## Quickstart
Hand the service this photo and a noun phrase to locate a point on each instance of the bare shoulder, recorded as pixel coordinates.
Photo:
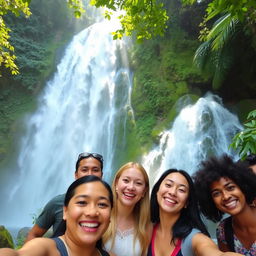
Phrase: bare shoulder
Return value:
(39, 247)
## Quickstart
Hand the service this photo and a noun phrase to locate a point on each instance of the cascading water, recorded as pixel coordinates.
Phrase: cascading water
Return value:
(78, 112)
(200, 130)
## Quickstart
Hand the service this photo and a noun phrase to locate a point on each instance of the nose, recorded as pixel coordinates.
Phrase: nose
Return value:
(91, 210)
(225, 195)
(172, 191)
(130, 185)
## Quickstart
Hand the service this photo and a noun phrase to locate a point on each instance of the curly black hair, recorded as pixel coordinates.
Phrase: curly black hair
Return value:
(214, 169)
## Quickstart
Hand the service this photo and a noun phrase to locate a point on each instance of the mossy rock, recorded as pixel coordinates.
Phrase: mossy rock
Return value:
(6, 240)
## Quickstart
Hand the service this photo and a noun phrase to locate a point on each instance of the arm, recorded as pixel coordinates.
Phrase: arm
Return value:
(8, 252)
(34, 232)
(35, 247)
(47, 218)
(203, 246)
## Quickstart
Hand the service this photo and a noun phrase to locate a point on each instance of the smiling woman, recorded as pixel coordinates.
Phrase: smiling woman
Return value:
(224, 186)
(129, 230)
(178, 229)
(87, 209)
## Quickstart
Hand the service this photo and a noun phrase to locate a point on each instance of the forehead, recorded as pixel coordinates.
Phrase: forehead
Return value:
(93, 189)
(90, 161)
(177, 178)
(221, 182)
(132, 173)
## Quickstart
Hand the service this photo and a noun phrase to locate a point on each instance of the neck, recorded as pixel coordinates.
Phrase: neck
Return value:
(124, 211)
(125, 217)
(246, 218)
(81, 249)
(167, 221)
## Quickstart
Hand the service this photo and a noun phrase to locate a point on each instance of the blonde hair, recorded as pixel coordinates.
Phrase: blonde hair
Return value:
(140, 211)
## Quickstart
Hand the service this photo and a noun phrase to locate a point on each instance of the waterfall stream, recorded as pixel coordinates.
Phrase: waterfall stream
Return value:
(200, 130)
(78, 112)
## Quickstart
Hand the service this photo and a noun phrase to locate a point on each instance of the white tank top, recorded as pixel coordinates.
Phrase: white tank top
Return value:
(124, 244)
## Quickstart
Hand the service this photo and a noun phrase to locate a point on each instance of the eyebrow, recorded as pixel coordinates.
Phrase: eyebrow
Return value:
(183, 185)
(225, 185)
(86, 196)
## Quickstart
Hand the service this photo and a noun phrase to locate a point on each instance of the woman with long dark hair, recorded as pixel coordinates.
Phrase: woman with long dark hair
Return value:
(178, 228)
(87, 209)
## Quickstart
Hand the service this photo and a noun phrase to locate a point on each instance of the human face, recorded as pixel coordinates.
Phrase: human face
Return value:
(88, 166)
(227, 196)
(88, 213)
(130, 187)
(173, 193)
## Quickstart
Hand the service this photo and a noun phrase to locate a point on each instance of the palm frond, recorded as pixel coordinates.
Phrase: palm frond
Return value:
(224, 30)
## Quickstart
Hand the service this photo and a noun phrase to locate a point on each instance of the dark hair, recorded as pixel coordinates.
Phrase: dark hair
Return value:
(213, 170)
(251, 159)
(84, 155)
(189, 217)
(70, 193)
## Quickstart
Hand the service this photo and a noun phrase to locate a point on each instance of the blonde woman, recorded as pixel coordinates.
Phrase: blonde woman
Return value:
(130, 229)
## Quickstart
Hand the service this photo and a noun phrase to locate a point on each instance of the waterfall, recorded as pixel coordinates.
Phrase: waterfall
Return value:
(199, 130)
(78, 112)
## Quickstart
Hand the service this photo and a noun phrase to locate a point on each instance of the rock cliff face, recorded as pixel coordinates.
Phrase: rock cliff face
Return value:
(5, 238)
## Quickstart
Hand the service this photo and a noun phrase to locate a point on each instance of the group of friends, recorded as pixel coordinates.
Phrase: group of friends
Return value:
(93, 219)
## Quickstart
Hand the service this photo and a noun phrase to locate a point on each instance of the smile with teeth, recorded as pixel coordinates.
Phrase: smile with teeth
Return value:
(89, 226)
(231, 204)
(129, 195)
(170, 200)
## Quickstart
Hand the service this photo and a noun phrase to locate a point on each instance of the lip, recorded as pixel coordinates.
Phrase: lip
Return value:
(89, 226)
(170, 201)
(231, 204)
(129, 195)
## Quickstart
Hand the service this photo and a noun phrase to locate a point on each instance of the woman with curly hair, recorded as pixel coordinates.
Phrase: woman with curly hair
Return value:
(224, 186)
(178, 228)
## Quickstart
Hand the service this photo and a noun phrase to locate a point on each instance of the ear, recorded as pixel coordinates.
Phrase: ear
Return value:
(64, 212)
(76, 177)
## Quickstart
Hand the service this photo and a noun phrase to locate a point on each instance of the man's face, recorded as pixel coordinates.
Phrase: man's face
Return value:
(89, 166)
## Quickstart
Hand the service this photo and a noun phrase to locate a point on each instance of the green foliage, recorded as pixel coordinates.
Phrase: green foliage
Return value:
(239, 9)
(245, 141)
(36, 39)
(5, 238)
(145, 19)
(22, 9)
(163, 71)
(7, 57)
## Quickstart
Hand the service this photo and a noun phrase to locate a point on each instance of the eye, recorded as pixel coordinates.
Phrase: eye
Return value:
(125, 180)
(168, 185)
(96, 170)
(81, 203)
(231, 187)
(103, 205)
(215, 193)
(182, 190)
(139, 183)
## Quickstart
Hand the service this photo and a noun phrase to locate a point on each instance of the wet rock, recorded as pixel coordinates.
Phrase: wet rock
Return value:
(6, 240)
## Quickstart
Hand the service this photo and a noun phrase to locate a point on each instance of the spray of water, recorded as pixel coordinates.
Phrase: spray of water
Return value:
(78, 112)
(200, 130)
